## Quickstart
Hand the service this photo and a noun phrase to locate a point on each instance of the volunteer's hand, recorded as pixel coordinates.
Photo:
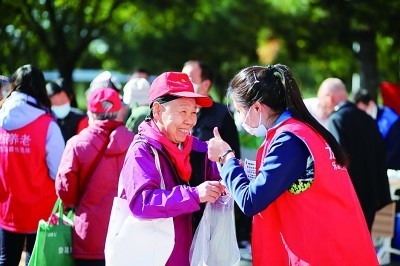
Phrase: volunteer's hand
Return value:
(216, 146)
(210, 191)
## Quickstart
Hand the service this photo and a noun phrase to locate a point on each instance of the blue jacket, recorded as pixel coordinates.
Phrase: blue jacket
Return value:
(389, 126)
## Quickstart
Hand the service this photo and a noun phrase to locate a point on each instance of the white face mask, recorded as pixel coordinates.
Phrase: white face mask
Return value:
(372, 110)
(259, 131)
(196, 87)
(61, 111)
(5, 90)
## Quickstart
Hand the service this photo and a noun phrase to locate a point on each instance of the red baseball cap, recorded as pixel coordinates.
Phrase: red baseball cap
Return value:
(104, 100)
(177, 84)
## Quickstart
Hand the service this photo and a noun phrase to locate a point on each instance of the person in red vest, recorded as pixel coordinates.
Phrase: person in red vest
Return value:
(305, 209)
(31, 145)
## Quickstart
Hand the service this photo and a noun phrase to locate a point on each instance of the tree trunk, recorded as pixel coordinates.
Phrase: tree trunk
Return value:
(369, 77)
(66, 70)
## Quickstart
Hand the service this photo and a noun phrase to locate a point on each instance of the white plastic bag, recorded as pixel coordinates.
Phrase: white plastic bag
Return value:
(214, 242)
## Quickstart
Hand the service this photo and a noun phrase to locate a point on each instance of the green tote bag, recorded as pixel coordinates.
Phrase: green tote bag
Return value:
(53, 245)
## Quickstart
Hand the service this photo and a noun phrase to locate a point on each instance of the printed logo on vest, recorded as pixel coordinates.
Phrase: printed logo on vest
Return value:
(14, 142)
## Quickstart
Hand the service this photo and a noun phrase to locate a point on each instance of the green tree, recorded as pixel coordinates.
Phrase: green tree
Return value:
(163, 35)
(342, 37)
(55, 33)
(317, 38)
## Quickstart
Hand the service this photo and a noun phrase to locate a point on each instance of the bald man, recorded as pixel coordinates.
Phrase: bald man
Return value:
(359, 136)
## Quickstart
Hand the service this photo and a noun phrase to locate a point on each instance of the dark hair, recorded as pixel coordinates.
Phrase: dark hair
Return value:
(362, 96)
(30, 80)
(276, 87)
(161, 100)
(56, 86)
(141, 70)
(206, 71)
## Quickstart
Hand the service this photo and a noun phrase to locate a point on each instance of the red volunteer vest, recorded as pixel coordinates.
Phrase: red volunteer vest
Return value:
(324, 225)
(27, 192)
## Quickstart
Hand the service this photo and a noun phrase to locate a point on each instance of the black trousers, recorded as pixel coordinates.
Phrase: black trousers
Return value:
(11, 247)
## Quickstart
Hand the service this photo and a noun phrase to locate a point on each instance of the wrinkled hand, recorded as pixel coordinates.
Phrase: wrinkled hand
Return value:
(210, 191)
(216, 146)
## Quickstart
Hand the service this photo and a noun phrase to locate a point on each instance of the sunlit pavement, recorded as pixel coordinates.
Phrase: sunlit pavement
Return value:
(245, 254)
(245, 263)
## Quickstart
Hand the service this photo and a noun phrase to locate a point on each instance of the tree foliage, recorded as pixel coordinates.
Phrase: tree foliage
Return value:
(342, 37)
(55, 33)
(316, 38)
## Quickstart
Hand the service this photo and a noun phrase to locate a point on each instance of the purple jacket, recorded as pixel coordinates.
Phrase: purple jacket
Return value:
(141, 182)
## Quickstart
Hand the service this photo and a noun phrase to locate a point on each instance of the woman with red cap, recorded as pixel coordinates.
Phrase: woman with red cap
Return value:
(87, 179)
(190, 178)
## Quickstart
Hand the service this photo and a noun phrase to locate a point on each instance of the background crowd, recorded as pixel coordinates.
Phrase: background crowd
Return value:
(49, 149)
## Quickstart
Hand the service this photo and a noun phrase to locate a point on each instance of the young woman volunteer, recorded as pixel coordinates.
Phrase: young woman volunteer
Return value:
(304, 207)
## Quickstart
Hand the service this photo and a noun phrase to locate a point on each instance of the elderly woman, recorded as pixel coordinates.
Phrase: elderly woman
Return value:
(87, 178)
(183, 159)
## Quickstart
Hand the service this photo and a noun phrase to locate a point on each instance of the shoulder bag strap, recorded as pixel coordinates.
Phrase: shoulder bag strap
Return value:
(157, 162)
(96, 160)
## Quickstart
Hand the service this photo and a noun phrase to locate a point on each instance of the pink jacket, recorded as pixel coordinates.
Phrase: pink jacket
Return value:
(92, 197)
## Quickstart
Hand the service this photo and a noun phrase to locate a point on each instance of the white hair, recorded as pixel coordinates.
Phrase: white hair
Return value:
(103, 116)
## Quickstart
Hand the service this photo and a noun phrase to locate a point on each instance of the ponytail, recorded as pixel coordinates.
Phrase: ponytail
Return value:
(276, 87)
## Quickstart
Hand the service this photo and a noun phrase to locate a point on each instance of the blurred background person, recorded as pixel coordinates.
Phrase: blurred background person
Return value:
(217, 115)
(359, 136)
(70, 119)
(87, 179)
(106, 80)
(136, 96)
(388, 122)
(201, 75)
(315, 110)
(31, 145)
(140, 72)
(5, 86)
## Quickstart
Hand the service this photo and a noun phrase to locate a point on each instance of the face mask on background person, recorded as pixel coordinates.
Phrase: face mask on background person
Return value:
(372, 110)
(196, 87)
(61, 111)
(259, 131)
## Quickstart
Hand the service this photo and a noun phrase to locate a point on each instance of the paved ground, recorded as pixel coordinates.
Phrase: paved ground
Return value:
(246, 257)
(243, 262)
(249, 263)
